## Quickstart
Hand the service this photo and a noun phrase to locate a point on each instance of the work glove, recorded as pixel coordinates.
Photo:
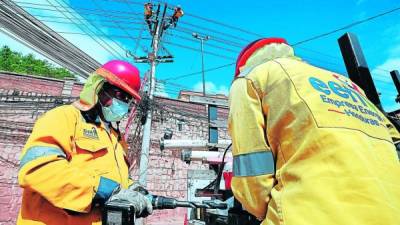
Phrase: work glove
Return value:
(141, 203)
(137, 187)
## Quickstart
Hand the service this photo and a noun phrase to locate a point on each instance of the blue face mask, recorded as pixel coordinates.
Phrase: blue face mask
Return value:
(116, 111)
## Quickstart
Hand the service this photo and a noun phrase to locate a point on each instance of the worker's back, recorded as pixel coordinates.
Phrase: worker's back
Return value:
(335, 161)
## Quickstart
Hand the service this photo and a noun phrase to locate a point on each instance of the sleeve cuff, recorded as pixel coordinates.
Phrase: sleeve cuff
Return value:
(105, 189)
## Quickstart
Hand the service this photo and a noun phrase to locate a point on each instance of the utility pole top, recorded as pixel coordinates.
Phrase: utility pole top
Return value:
(198, 36)
(202, 40)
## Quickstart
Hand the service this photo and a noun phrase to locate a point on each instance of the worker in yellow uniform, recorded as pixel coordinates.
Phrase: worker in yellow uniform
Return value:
(75, 159)
(308, 146)
(148, 13)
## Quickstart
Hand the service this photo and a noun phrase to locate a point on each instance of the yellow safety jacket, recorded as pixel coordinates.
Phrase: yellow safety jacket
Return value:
(68, 168)
(309, 148)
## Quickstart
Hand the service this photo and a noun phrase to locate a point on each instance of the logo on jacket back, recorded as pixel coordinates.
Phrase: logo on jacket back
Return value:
(348, 99)
(90, 133)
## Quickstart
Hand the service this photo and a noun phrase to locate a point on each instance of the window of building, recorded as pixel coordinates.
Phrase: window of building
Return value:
(213, 135)
(212, 112)
(179, 127)
(180, 124)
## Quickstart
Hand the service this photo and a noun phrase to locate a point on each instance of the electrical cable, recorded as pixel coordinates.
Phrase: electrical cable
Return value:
(38, 41)
(124, 1)
(210, 45)
(197, 50)
(195, 73)
(78, 8)
(32, 31)
(118, 25)
(217, 179)
(346, 26)
(188, 30)
(90, 31)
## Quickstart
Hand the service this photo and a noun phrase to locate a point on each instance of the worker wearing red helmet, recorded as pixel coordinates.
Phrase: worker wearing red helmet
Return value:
(308, 146)
(74, 160)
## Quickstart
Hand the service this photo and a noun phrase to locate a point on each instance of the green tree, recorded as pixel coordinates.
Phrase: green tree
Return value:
(27, 64)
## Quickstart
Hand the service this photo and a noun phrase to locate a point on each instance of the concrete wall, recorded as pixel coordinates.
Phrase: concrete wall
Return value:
(167, 174)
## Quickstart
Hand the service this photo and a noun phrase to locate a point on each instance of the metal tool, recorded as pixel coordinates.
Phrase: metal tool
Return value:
(123, 213)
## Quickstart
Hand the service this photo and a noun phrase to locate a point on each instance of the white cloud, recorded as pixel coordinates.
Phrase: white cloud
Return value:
(395, 50)
(211, 88)
(388, 98)
(161, 91)
(392, 32)
(359, 2)
(385, 83)
(380, 71)
(392, 53)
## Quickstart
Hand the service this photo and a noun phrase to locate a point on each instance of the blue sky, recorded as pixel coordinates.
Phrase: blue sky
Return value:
(293, 20)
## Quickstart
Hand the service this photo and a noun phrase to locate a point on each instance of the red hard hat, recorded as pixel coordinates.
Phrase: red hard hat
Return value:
(122, 74)
(245, 54)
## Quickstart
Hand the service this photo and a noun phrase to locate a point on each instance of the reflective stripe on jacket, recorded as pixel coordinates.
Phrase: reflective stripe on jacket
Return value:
(309, 148)
(67, 166)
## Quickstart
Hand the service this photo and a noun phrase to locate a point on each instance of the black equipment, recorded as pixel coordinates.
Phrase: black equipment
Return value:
(123, 213)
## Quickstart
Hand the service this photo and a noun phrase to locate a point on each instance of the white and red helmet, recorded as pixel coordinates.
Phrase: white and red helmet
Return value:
(251, 48)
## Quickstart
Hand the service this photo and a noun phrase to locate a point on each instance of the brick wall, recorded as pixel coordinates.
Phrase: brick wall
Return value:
(12, 81)
(76, 89)
(167, 174)
(15, 126)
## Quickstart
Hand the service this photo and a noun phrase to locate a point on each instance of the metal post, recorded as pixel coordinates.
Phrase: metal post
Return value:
(396, 79)
(146, 142)
(392, 118)
(357, 67)
(202, 39)
(202, 67)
